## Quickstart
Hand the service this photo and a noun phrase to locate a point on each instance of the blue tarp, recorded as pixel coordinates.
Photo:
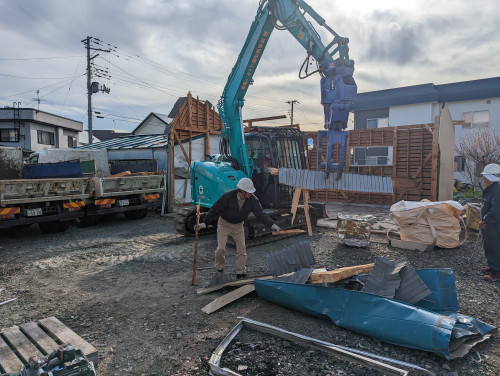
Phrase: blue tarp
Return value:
(440, 330)
(71, 169)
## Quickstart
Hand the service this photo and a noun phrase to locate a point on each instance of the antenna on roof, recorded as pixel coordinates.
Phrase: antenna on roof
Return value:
(37, 99)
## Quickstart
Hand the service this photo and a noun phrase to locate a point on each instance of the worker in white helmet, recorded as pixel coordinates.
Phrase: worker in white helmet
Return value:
(230, 211)
(490, 221)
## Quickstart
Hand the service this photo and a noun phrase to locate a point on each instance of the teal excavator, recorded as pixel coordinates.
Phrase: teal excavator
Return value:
(253, 154)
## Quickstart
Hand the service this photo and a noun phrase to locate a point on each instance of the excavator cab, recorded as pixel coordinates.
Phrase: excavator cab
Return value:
(274, 148)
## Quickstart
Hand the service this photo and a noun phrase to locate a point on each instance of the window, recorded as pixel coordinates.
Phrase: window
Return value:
(372, 156)
(475, 119)
(45, 138)
(72, 142)
(377, 123)
(9, 135)
(459, 163)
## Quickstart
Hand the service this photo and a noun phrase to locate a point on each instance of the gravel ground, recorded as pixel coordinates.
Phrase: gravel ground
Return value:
(125, 286)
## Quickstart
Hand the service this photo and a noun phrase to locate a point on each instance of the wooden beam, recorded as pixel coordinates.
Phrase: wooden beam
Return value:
(239, 282)
(230, 297)
(419, 169)
(289, 232)
(182, 147)
(305, 195)
(338, 274)
(295, 202)
(250, 121)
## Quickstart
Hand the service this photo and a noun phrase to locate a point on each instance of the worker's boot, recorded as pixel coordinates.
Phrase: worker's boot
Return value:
(493, 276)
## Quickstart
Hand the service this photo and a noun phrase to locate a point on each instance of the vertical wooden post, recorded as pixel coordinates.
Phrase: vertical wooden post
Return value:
(305, 195)
(196, 242)
(170, 176)
(295, 202)
(435, 159)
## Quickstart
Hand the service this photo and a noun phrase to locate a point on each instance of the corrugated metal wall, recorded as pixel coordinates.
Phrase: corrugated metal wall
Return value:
(414, 166)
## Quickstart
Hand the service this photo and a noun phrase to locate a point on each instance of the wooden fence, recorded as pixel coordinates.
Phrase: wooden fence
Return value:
(414, 169)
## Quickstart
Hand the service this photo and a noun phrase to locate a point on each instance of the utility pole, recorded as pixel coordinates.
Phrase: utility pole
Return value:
(90, 91)
(291, 112)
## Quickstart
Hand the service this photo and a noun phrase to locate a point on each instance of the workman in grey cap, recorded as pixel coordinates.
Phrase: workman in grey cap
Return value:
(490, 221)
(231, 210)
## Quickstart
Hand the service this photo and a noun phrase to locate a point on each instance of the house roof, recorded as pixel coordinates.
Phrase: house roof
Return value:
(107, 134)
(177, 106)
(137, 141)
(454, 92)
(162, 117)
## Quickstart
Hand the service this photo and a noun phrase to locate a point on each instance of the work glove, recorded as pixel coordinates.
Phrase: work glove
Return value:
(482, 225)
(201, 226)
(276, 228)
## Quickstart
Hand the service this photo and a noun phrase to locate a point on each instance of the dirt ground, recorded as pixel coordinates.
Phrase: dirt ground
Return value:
(125, 287)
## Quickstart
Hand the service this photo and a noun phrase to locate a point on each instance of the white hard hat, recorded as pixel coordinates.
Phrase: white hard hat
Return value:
(491, 169)
(246, 185)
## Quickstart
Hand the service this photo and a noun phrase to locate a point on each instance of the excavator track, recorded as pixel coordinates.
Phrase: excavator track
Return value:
(185, 220)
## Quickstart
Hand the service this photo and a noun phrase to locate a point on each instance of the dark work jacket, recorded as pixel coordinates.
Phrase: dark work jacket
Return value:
(227, 208)
(490, 211)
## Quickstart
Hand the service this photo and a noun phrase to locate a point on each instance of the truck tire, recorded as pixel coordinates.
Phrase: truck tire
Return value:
(53, 226)
(136, 214)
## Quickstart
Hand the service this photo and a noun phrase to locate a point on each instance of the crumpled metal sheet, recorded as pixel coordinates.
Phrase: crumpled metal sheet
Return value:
(385, 319)
(291, 258)
(313, 180)
(300, 276)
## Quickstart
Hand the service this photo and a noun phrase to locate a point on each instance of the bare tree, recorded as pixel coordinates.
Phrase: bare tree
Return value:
(478, 149)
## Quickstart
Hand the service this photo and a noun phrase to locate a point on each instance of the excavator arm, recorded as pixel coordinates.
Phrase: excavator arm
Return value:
(338, 88)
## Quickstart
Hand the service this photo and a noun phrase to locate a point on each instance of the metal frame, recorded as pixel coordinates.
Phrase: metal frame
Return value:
(340, 351)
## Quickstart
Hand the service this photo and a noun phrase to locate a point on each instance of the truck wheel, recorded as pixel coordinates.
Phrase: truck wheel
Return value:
(136, 214)
(53, 226)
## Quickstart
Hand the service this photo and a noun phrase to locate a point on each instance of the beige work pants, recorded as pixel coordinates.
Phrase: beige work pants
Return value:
(237, 232)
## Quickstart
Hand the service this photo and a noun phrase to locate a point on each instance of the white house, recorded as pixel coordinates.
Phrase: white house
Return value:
(34, 130)
(476, 103)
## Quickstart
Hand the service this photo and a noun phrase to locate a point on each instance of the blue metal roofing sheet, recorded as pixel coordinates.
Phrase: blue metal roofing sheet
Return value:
(143, 141)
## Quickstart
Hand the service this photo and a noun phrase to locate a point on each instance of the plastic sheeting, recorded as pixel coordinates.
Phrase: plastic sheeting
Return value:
(450, 335)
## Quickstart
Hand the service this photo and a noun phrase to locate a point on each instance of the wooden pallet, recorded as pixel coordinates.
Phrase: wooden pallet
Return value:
(18, 343)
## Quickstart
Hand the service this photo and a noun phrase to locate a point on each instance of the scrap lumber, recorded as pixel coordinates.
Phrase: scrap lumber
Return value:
(338, 274)
(196, 242)
(230, 297)
(8, 359)
(239, 282)
(305, 195)
(295, 202)
(289, 232)
(57, 329)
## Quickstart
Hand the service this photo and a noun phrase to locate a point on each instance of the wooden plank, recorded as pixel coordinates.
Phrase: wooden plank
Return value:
(230, 297)
(23, 345)
(239, 282)
(338, 274)
(8, 359)
(64, 334)
(38, 336)
(295, 202)
(289, 232)
(306, 211)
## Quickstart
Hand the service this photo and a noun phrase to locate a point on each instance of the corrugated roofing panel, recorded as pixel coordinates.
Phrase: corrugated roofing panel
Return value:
(307, 179)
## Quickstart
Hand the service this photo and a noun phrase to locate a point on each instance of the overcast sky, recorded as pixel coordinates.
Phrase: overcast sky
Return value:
(163, 49)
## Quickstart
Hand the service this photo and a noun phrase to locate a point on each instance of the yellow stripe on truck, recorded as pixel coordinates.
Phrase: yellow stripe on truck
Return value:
(74, 204)
(9, 211)
(152, 197)
(106, 201)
